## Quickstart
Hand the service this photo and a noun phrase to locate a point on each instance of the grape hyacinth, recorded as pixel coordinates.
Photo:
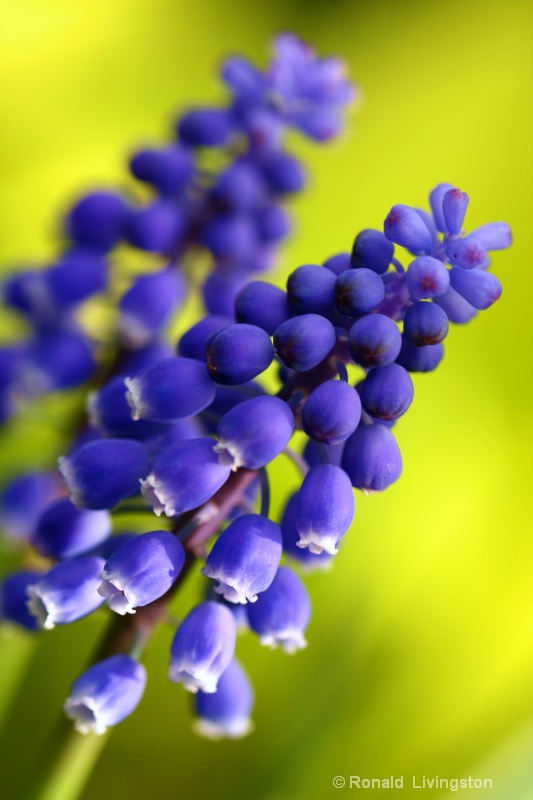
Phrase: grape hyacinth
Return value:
(188, 430)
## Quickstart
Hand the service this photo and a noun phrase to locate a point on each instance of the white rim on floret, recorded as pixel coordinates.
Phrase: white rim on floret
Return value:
(290, 640)
(84, 714)
(133, 331)
(154, 493)
(115, 594)
(317, 543)
(43, 610)
(235, 729)
(194, 680)
(93, 412)
(65, 468)
(230, 588)
(133, 397)
(229, 455)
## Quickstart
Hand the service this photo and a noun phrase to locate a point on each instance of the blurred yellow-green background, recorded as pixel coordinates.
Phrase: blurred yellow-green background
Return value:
(420, 657)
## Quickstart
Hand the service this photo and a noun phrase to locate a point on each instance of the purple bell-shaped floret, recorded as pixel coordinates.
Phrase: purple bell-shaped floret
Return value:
(184, 476)
(226, 713)
(141, 570)
(68, 592)
(253, 433)
(203, 647)
(105, 694)
(282, 612)
(325, 508)
(244, 558)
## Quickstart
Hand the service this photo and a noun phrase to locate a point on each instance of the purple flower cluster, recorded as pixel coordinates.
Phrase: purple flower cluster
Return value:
(219, 188)
(188, 434)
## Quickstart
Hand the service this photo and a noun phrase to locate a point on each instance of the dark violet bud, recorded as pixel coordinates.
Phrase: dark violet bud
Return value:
(141, 570)
(26, 292)
(480, 289)
(325, 508)
(107, 693)
(372, 250)
(331, 412)
(312, 455)
(231, 237)
(358, 291)
(238, 353)
(283, 173)
(10, 359)
(179, 431)
(14, 597)
(493, 236)
(133, 361)
(64, 531)
(23, 501)
(290, 537)
(273, 223)
(404, 226)
(396, 297)
(311, 290)
(338, 263)
(78, 275)
(456, 307)
(56, 359)
(226, 398)
(372, 458)
(170, 390)
(184, 476)
(387, 392)
(220, 291)
(110, 413)
(97, 220)
(205, 127)
(203, 647)
(454, 205)
(374, 341)
(109, 546)
(430, 225)
(149, 304)
(103, 472)
(192, 343)
(427, 277)
(425, 324)
(244, 558)
(262, 304)
(67, 592)
(168, 170)
(264, 128)
(239, 187)
(282, 612)
(253, 433)
(226, 713)
(157, 228)
(435, 200)
(420, 359)
(466, 253)
(303, 342)
(244, 79)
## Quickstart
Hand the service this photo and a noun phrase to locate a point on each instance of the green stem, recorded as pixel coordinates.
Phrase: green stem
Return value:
(65, 765)
(16, 649)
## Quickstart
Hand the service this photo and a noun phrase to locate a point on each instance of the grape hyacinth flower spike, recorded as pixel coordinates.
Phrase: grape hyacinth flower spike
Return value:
(192, 430)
